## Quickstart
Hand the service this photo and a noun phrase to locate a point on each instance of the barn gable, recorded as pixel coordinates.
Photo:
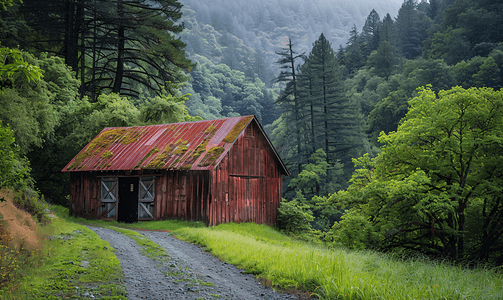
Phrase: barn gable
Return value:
(214, 171)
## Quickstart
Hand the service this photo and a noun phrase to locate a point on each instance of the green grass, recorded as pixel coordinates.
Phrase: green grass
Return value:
(74, 261)
(337, 273)
(149, 248)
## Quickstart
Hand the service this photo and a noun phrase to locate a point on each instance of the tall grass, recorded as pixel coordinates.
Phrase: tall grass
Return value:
(341, 274)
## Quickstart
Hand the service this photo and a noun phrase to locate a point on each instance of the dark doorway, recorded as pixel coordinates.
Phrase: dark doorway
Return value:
(128, 200)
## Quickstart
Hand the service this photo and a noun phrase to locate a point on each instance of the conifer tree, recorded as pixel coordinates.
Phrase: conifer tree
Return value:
(333, 120)
(290, 103)
(411, 26)
(382, 61)
(386, 33)
(354, 56)
(112, 45)
(370, 33)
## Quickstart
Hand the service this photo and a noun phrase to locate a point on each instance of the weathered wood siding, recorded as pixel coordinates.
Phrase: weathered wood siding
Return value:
(183, 195)
(85, 195)
(246, 185)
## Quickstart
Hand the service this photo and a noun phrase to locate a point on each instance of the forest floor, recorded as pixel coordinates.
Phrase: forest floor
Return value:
(188, 273)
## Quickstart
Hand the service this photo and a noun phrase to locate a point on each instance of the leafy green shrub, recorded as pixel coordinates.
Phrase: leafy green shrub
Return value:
(354, 231)
(294, 217)
(29, 201)
(13, 168)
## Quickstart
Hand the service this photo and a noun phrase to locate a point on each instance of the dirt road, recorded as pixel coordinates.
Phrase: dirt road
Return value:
(190, 273)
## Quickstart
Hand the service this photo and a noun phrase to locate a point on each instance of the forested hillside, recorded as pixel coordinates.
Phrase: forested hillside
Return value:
(245, 37)
(266, 26)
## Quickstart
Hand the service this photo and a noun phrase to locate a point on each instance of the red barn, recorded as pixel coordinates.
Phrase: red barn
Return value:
(214, 171)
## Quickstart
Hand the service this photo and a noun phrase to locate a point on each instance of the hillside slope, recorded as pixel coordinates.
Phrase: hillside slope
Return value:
(265, 26)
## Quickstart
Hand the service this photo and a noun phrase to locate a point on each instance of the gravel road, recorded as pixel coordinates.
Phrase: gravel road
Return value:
(189, 273)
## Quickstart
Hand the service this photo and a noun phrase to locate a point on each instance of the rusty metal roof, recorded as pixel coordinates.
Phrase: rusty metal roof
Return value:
(178, 146)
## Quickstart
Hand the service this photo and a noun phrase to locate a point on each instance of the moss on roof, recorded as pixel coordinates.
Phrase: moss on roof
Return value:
(211, 156)
(236, 130)
(103, 141)
(150, 153)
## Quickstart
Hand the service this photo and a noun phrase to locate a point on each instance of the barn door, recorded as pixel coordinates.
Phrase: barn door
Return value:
(146, 198)
(109, 198)
(128, 200)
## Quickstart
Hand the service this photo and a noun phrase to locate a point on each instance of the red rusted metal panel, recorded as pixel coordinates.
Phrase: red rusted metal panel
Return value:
(197, 145)
(179, 146)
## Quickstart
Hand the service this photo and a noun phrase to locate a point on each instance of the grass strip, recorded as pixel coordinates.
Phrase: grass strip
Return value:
(148, 248)
(75, 263)
(337, 273)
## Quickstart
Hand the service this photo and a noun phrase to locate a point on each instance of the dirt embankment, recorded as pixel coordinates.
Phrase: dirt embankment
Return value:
(189, 273)
(18, 226)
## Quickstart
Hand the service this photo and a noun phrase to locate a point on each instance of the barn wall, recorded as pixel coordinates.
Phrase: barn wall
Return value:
(183, 195)
(85, 197)
(246, 185)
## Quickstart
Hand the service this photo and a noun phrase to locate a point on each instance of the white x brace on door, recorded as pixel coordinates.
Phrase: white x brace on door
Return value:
(146, 198)
(109, 197)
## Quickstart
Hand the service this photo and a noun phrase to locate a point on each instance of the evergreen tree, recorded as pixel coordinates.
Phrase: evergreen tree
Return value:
(386, 33)
(354, 56)
(410, 24)
(290, 103)
(370, 33)
(112, 45)
(382, 61)
(434, 11)
(333, 119)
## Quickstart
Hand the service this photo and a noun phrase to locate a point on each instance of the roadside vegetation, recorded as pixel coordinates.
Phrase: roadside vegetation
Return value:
(337, 273)
(67, 260)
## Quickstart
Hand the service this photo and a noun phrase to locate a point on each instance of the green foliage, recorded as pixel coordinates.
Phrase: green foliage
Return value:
(312, 175)
(5, 3)
(28, 108)
(411, 29)
(432, 177)
(313, 182)
(265, 26)
(400, 88)
(12, 62)
(466, 28)
(382, 61)
(29, 201)
(318, 116)
(126, 44)
(13, 168)
(354, 231)
(294, 217)
(219, 91)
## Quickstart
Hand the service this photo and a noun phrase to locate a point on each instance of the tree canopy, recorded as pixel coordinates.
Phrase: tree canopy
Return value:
(112, 45)
(436, 186)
